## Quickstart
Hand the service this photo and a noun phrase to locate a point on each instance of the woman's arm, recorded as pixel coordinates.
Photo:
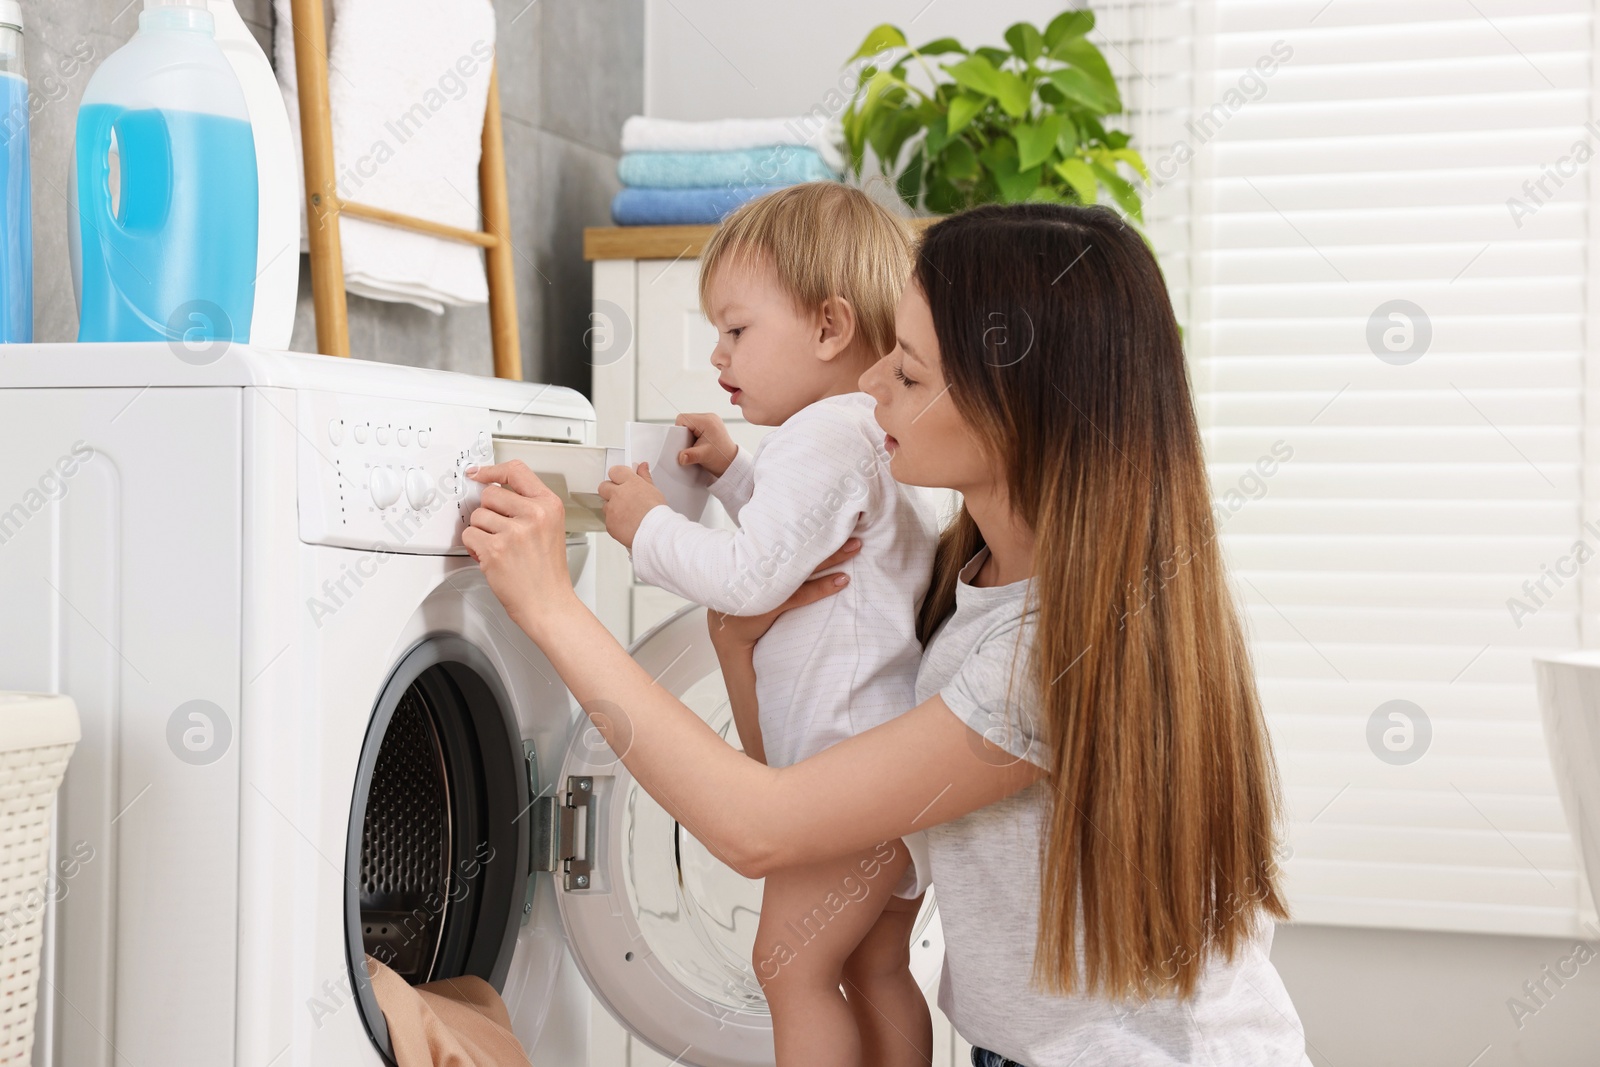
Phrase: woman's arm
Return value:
(921, 768)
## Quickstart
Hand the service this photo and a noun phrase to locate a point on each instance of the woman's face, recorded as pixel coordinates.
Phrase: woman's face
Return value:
(929, 442)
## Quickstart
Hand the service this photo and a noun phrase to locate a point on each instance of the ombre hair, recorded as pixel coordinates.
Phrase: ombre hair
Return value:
(1060, 348)
(824, 240)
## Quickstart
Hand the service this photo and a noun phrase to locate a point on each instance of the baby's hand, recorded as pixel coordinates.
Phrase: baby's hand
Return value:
(713, 447)
(628, 494)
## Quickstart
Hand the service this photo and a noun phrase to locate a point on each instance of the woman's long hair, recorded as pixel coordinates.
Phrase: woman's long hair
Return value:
(1060, 348)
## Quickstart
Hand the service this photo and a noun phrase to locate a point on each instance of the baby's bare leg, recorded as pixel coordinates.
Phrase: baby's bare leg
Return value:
(812, 919)
(890, 1010)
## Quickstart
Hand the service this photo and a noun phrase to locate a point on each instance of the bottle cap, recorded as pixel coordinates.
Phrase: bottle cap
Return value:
(177, 15)
(11, 14)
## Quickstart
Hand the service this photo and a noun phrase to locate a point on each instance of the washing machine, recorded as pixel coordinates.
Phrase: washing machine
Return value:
(311, 734)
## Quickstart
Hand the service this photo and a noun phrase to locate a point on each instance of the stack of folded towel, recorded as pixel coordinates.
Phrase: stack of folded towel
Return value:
(687, 173)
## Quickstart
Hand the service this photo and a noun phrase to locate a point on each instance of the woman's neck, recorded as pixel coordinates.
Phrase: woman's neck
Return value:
(1009, 539)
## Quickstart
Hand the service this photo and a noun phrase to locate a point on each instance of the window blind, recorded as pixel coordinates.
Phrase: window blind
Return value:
(1373, 215)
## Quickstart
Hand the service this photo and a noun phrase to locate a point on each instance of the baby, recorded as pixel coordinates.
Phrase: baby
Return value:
(802, 285)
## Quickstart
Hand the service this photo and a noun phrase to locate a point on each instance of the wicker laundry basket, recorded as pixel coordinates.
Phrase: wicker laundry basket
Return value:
(37, 734)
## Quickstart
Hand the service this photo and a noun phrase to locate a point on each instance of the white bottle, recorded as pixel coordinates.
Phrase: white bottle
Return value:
(278, 246)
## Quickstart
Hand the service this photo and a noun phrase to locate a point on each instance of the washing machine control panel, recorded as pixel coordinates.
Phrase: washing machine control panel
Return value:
(389, 475)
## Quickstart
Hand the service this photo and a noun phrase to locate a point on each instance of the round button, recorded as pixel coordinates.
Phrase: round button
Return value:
(419, 490)
(385, 486)
(402, 435)
(336, 431)
(382, 434)
(423, 437)
(361, 433)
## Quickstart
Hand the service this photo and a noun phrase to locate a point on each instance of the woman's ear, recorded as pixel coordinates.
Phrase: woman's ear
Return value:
(836, 328)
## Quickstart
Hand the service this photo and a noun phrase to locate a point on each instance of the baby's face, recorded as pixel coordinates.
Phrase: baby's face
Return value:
(766, 347)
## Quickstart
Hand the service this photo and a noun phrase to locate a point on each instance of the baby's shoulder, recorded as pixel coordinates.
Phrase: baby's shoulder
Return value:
(838, 429)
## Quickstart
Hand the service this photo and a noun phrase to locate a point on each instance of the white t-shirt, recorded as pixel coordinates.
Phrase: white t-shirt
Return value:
(831, 669)
(986, 880)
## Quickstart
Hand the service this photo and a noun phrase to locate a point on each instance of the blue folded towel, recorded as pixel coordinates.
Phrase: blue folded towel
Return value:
(682, 207)
(782, 164)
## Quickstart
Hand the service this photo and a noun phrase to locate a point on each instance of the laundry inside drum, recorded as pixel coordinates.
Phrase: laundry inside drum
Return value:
(405, 844)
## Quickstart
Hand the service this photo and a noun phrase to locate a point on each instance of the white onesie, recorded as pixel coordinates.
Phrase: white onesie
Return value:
(846, 663)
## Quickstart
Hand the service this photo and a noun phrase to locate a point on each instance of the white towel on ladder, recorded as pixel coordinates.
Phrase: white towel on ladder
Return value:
(408, 83)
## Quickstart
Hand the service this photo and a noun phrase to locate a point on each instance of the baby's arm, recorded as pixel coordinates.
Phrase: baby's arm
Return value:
(810, 488)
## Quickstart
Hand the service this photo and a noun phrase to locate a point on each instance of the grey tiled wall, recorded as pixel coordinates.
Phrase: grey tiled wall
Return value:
(570, 72)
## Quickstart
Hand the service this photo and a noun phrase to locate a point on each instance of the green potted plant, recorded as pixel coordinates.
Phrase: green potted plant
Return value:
(993, 125)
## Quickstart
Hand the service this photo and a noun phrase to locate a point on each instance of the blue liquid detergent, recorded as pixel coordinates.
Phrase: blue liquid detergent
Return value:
(16, 214)
(178, 259)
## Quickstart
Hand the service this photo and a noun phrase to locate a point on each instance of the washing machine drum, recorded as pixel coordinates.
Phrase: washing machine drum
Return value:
(434, 885)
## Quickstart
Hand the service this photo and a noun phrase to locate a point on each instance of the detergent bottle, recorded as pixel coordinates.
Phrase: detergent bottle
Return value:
(166, 182)
(16, 201)
(277, 178)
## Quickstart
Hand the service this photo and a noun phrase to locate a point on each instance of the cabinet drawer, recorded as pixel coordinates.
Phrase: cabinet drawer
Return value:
(674, 344)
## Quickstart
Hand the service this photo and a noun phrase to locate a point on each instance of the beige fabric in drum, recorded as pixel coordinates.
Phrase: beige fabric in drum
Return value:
(457, 1022)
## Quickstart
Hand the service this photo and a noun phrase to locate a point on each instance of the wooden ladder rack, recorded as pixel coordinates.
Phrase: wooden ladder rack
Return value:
(324, 206)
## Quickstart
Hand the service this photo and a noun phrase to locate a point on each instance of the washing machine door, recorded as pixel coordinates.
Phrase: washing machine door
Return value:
(661, 928)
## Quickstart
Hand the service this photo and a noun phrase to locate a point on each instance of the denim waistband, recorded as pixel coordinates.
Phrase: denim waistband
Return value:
(982, 1057)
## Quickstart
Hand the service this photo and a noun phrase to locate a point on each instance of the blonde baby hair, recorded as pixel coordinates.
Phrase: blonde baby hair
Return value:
(823, 239)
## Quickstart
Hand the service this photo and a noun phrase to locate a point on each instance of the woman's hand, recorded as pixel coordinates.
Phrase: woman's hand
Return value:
(731, 633)
(713, 446)
(518, 537)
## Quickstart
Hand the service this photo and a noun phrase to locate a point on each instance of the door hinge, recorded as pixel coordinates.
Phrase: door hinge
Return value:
(557, 835)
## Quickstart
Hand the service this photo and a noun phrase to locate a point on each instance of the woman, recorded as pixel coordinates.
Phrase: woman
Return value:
(1087, 754)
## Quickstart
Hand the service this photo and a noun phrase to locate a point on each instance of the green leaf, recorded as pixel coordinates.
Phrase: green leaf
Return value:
(881, 83)
(889, 132)
(960, 162)
(1132, 159)
(979, 75)
(1122, 191)
(855, 137)
(1086, 57)
(1068, 24)
(941, 47)
(909, 184)
(999, 152)
(1067, 141)
(995, 56)
(1086, 90)
(963, 109)
(1079, 175)
(1037, 140)
(1114, 138)
(1014, 183)
(879, 38)
(937, 135)
(1024, 39)
(942, 197)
